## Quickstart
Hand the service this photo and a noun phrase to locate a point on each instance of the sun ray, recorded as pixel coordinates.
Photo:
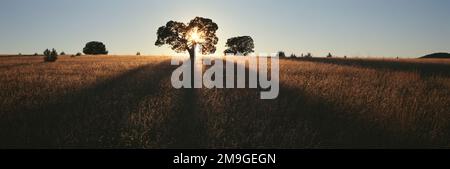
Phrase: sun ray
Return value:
(195, 36)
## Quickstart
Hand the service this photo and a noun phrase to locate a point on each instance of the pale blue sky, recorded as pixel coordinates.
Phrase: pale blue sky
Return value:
(388, 28)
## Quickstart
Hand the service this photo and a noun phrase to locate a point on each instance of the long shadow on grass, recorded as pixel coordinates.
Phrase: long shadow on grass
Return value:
(92, 117)
(296, 120)
(425, 69)
(338, 128)
(186, 128)
(95, 117)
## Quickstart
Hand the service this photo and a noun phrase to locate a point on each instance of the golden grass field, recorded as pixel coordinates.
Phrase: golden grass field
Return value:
(128, 102)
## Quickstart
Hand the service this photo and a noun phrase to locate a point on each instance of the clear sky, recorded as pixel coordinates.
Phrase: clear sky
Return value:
(389, 28)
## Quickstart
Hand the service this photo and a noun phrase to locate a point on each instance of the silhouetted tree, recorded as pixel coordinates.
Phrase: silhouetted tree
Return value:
(138, 54)
(293, 56)
(281, 54)
(184, 37)
(62, 53)
(78, 54)
(242, 44)
(95, 48)
(50, 56)
(329, 55)
(36, 54)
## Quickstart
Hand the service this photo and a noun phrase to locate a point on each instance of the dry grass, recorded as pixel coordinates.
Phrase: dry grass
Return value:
(106, 102)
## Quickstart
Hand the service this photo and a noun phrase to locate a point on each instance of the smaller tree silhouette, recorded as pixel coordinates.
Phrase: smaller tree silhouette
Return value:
(78, 54)
(138, 54)
(95, 48)
(242, 44)
(62, 53)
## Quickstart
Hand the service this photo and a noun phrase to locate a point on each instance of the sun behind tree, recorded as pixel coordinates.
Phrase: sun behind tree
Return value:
(185, 37)
(195, 36)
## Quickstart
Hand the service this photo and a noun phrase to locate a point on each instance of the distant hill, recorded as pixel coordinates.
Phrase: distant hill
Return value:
(437, 55)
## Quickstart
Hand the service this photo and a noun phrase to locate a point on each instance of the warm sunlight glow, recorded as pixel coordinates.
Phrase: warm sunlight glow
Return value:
(195, 36)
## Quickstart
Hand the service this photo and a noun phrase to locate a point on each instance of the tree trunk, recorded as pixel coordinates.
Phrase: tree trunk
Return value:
(192, 57)
(192, 53)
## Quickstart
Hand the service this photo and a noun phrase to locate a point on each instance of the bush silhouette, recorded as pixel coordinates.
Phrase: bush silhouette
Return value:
(95, 48)
(50, 56)
(138, 54)
(281, 54)
(329, 55)
(78, 54)
(62, 53)
(47, 52)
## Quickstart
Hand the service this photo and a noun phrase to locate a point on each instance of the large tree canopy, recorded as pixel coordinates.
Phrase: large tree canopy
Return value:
(242, 44)
(182, 37)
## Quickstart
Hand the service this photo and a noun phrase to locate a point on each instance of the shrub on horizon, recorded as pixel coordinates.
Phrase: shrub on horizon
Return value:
(308, 55)
(50, 56)
(329, 55)
(281, 54)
